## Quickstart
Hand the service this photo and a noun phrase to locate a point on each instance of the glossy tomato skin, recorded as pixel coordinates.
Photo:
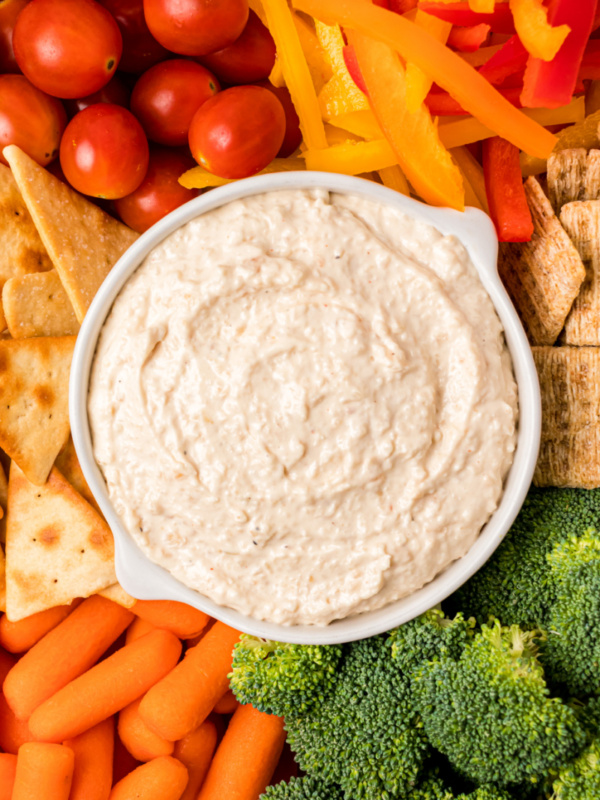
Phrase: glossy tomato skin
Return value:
(160, 192)
(293, 134)
(249, 59)
(196, 27)
(140, 49)
(114, 92)
(238, 132)
(104, 152)
(9, 11)
(167, 96)
(30, 119)
(67, 48)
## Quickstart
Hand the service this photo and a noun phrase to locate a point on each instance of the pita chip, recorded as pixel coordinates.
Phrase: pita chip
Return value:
(118, 595)
(57, 546)
(82, 241)
(581, 220)
(68, 465)
(2, 580)
(37, 305)
(34, 407)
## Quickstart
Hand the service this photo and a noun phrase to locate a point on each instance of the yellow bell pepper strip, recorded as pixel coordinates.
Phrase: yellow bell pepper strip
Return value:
(340, 95)
(360, 123)
(445, 67)
(276, 76)
(583, 134)
(295, 71)
(338, 136)
(473, 173)
(352, 158)
(394, 178)
(418, 83)
(319, 66)
(538, 36)
(199, 178)
(414, 137)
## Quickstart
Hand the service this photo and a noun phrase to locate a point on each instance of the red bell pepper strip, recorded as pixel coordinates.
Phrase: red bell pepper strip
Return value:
(353, 68)
(468, 40)
(590, 64)
(550, 84)
(402, 6)
(381, 4)
(504, 189)
(511, 59)
(500, 21)
(442, 104)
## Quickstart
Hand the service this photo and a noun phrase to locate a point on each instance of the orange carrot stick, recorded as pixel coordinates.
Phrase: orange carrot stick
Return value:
(44, 772)
(123, 761)
(17, 637)
(164, 778)
(12, 732)
(106, 688)
(182, 620)
(64, 653)
(138, 738)
(8, 767)
(195, 751)
(227, 704)
(138, 628)
(246, 758)
(92, 777)
(184, 698)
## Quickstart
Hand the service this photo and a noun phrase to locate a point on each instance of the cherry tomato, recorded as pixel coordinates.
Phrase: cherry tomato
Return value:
(67, 48)
(293, 134)
(159, 193)
(249, 59)
(196, 27)
(30, 119)
(167, 96)
(140, 49)
(104, 152)
(114, 92)
(9, 11)
(238, 132)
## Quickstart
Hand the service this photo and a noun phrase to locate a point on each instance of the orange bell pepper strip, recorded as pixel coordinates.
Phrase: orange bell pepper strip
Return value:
(446, 68)
(413, 136)
(472, 173)
(340, 95)
(394, 178)
(295, 71)
(418, 83)
(535, 32)
(352, 158)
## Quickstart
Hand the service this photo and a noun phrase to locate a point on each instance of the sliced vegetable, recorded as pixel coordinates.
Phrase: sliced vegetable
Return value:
(505, 193)
(340, 95)
(510, 59)
(418, 83)
(360, 123)
(443, 104)
(199, 178)
(352, 158)
(472, 172)
(540, 38)
(470, 39)
(352, 66)
(500, 19)
(394, 178)
(481, 56)
(319, 66)
(583, 134)
(589, 69)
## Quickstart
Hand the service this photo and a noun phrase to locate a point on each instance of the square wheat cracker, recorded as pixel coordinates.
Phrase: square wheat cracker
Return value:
(581, 220)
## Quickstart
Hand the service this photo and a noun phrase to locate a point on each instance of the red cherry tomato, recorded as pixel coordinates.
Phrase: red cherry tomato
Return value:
(30, 119)
(249, 59)
(67, 48)
(293, 134)
(114, 92)
(104, 152)
(196, 27)
(9, 11)
(140, 49)
(238, 132)
(159, 193)
(167, 96)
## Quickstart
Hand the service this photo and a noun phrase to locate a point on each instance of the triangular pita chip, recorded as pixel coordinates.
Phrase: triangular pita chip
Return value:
(34, 407)
(68, 465)
(37, 305)
(82, 240)
(118, 595)
(57, 546)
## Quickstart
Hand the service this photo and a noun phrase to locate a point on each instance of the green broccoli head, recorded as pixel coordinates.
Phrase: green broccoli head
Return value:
(490, 713)
(580, 779)
(429, 636)
(305, 788)
(366, 735)
(432, 788)
(487, 792)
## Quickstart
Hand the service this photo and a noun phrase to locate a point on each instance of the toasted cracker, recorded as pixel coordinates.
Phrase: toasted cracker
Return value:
(581, 220)
(592, 176)
(542, 276)
(570, 447)
(37, 305)
(57, 546)
(68, 465)
(34, 408)
(83, 241)
(118, 595)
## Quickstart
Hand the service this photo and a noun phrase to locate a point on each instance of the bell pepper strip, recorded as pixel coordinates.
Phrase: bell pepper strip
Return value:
(549, 84)
(505, 193)
(295, 71)
(583, 134)
(353, 68)
(257, 7)
(276, 76)
(444, 66)
(340, 95)
(418, 83)
(592, 98)
(481, 56)
(540, 38)
(500, 20)
(473, 173)
(352, 158)
(509, 60)
(442, 104)
(413, 136)
(360, 123)
(394, 178)
(337, 136)
(199, 178)
(402, 6)
(319, 66)
(482, 6)
(589, 69)
(468, 40)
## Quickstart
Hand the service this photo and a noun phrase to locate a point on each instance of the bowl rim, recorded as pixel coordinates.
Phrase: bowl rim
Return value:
(144, 579)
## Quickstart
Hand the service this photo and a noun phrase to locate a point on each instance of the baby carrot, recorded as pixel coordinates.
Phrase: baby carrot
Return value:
(123, 761)
(17, 637)
(246, 758)
(66, 652)
(44, 772)
(93, 750)
(182, 620)
(8, 767)
(12, 732)
(195, 751)
(186, 696)
(138, 738)
(106, 688)
(226, 704)
(164, 778)
(139, 627)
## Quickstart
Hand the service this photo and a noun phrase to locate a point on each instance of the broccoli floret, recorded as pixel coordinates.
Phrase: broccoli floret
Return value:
(490, 713)
(486, 792)
(276, 678)
(429, 636)
(580, 780)
(305, 788)
(366, 735)
(431, 789)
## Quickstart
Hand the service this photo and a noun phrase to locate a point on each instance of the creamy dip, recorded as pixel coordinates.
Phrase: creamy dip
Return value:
(303, 405)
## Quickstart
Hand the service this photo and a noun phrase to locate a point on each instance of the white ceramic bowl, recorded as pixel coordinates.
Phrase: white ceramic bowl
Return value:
(146, 580)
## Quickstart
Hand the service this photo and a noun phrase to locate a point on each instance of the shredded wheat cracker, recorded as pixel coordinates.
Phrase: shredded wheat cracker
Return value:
(581, 220)
(573, 175)
(37, 305)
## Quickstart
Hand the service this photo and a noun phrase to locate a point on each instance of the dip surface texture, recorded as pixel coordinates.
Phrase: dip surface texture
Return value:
(303, 405)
